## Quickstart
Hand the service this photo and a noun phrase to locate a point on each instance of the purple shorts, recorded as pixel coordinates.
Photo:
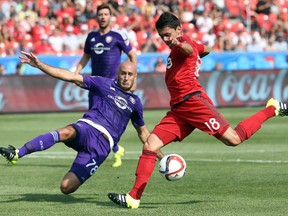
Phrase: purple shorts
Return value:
(92, 147)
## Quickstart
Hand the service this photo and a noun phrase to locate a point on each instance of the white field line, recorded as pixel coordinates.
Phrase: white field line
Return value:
(71, 155)
(70, 152)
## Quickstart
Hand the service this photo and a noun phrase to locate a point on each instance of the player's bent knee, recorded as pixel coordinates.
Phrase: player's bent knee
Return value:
(230, 142)
(153, 143)
(67, 133)
(230, 138)
(67, 189)
(150, 147)
(70, 183)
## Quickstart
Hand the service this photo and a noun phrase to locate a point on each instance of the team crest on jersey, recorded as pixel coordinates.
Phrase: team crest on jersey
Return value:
(108, 39)
(132, 100)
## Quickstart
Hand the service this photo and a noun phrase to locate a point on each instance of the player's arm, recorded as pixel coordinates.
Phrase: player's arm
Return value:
(132, 56)
(82, 63)
(183, 46)
(205, 52)
(143, 134)
(59, 73)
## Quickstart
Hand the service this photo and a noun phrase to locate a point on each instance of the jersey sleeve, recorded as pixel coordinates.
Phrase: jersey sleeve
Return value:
(199, 47)
(124, 42)
(92, 82)
(87, 49)
(137, 118)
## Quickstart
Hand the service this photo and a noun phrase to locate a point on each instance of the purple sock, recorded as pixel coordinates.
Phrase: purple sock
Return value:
(115, 148)
(39, 143)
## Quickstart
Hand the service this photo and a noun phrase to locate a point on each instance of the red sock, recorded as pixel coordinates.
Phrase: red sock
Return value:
(144, 170)
(249, 126)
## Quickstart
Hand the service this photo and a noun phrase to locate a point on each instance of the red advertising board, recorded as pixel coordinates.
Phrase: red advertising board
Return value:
(226, 89)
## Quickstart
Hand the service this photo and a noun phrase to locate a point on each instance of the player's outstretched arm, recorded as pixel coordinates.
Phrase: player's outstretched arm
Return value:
(82, 63)
(59, 73)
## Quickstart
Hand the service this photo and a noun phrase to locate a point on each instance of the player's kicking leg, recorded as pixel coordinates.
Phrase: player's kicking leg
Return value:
(118, 156)
(281, 108)
(10, 153)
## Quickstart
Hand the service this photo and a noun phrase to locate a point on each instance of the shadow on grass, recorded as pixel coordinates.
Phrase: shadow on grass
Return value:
(74, 199)
(149, 205)
(59, 198)
(178, 203)
(36, 165)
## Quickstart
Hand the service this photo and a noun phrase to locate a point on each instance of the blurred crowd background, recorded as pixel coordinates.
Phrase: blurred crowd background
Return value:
(56, 27)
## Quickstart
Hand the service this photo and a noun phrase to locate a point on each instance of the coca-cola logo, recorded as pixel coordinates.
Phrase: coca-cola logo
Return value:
(68, 96)
(237, 88)
(256, 87)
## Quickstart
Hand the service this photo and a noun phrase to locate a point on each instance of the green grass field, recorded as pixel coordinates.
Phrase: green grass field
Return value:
(251, 179)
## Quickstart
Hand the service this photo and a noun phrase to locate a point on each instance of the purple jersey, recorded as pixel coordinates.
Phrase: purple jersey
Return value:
(111, 106)
(105, 51)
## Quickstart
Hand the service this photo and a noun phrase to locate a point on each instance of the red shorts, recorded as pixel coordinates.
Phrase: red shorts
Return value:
(197, 112)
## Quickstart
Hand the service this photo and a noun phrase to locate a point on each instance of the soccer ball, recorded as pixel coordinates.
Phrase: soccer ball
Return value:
(172, 167)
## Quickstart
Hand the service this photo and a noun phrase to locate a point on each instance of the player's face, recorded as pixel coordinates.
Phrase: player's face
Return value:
(126, 76)
(167, 34)
(103, 18)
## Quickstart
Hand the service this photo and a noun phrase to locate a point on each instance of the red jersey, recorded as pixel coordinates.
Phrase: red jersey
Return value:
(183, 71)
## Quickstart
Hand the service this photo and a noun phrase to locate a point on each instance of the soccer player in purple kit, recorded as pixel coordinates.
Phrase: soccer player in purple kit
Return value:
(112, 105)
(104, 47)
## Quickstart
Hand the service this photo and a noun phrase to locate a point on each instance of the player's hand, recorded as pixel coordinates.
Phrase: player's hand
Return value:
(174, 42)
(29, 58)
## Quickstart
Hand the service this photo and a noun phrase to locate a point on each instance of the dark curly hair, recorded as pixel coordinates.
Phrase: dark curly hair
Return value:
(167, 20)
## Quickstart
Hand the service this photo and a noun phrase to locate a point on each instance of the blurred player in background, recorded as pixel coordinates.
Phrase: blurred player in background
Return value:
(104, 47)
(191, 108)
(112, 105)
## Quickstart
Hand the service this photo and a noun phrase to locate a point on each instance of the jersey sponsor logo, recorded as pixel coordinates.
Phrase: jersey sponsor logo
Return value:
(120, 102)
(92, 40)
(99, 48)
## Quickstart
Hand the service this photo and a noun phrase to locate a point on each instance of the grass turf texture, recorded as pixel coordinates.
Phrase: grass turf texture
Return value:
(250, 179)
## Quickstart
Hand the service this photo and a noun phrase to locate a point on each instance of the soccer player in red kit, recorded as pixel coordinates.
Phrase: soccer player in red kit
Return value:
(191, 108)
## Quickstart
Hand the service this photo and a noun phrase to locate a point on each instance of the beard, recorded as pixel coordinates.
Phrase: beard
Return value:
(104, 25)
(128, 88)
(125, 87)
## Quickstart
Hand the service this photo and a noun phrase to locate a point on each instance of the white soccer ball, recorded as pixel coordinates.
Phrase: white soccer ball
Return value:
(172, 167)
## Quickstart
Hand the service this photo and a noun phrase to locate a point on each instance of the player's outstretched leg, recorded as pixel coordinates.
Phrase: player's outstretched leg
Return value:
(124, 200)
(281, 108)
(10, 153)
(118, 157)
